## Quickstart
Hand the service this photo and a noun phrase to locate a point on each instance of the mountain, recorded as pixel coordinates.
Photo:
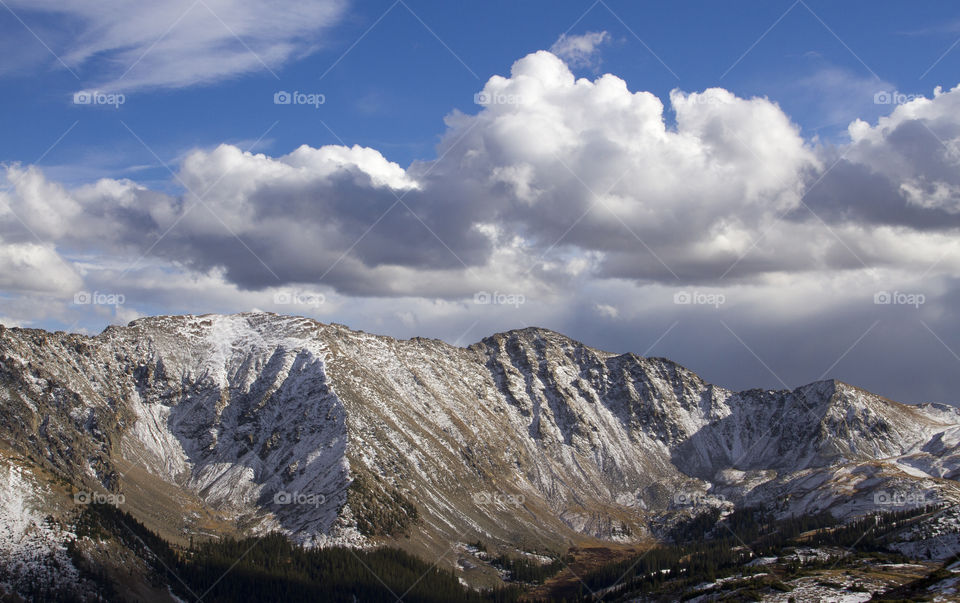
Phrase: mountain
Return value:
(213, 426)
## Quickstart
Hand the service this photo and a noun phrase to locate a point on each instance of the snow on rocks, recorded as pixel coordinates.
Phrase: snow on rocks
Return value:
(33, 552)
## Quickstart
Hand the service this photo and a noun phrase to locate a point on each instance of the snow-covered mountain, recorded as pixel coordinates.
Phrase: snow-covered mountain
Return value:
(257, 422)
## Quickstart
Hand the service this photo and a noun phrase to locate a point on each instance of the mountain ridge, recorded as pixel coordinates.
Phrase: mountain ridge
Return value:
(500, 334)
(258, 422)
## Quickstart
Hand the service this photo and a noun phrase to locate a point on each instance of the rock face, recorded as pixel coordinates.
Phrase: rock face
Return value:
(257, 422)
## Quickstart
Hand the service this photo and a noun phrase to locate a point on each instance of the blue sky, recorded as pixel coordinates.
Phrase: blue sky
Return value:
(589, 204)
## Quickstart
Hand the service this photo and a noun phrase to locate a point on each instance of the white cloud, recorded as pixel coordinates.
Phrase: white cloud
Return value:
(32, 267)
(572, 180)
(606, 310)
(594, 165)
(582, 50)
(125, 45)
(917, 145)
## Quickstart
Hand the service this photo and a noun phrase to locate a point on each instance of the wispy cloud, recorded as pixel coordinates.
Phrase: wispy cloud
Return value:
(949, 27)
(582, 50)
(127, 45)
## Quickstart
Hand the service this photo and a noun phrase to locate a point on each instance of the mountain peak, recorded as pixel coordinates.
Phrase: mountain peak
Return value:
(419, 437)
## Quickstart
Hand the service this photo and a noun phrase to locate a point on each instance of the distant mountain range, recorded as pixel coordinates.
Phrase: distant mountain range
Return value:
(214, 426)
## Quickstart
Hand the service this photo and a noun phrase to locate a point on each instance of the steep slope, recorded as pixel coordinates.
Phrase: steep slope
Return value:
(254, 422)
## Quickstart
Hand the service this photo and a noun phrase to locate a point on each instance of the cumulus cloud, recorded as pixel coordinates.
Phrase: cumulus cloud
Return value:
(592, 164)
(917, 147)
(556, 179)
(127, 45)
(904, 171)
(31, 267)
(582, 50)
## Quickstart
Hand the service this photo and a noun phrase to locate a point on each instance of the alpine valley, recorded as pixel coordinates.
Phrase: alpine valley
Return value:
(179, 458)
